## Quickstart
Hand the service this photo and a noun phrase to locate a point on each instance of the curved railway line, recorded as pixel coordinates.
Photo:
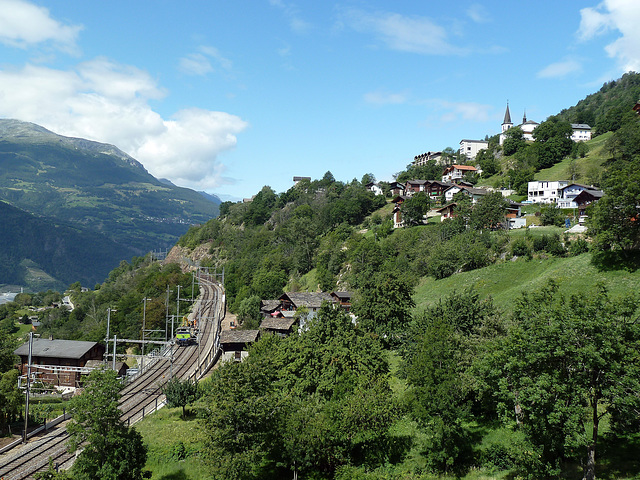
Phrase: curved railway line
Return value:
(140, 397)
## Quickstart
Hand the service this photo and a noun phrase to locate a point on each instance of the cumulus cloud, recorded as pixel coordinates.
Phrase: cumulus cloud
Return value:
(23, 25)
(622, 16)
(399, 32)
(560, 69)
(108, 102)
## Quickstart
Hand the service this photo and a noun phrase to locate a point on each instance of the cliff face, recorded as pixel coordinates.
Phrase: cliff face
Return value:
(188, 259)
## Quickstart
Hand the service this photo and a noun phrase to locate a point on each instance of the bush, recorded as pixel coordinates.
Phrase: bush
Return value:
(550, 244)
(521, 248)
(578, 247)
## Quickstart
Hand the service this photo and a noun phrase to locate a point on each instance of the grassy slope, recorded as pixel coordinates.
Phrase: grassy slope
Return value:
(507, 280)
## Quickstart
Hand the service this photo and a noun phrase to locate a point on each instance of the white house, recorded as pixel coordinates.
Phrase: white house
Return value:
(475, 193)
(581, 132)
(543, 191)
(375, 188)
(470, 148)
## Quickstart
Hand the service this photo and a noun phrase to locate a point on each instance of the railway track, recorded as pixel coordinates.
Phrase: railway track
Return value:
(141, 397)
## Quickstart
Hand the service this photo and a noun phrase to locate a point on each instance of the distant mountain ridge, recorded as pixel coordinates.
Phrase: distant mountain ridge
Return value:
(94, 187)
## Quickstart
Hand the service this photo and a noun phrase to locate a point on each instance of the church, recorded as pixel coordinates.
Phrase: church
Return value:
(527, 126)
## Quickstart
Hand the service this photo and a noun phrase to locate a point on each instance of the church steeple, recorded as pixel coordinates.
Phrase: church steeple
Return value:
(507, 123)
(524, 117)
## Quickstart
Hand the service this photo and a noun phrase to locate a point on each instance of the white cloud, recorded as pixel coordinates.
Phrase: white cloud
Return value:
(478, 13)
(108, 102)
(560, 69)
(199, 63)
(23, 24)
(615, 15)
(292, 14)
(403, 33)
(467, 111)
(383, 98)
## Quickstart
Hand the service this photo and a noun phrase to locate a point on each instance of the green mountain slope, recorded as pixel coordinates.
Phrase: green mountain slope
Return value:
(95, 187)
(38, 253)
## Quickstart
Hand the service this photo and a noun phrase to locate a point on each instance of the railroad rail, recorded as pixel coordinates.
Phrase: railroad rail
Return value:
(143, 395)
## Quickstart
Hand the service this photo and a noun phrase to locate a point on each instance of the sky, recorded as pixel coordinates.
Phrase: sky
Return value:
(227, 97)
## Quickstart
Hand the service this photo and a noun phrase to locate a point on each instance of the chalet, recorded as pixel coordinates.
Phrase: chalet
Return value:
(343, 299)
(514, 215)
(121, 367)
(448, 211)
(569, 192)
(235, 343)
(456, 172)
(436, 188)
(279, 325)
(375, 188)
(586, 198)
(397, 211)
(59, 362)
(312, 301)
(474, 193)
(297, 180)
(396, 189)
(415, 186)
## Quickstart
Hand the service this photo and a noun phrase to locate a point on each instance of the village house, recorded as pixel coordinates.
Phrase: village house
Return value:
(396, 188)
(586, 198)
(456, 172)
(474, 193)
(448, 211)
(569, 192)
(581, 132)
(397, 211)
(375, 188)
(470, 148)
(235, 343)
(59, 362)
(543, 191)
(343, 299)
(415, 186)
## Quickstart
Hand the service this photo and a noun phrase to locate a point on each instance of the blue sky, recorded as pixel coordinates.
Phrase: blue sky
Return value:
(230, 96)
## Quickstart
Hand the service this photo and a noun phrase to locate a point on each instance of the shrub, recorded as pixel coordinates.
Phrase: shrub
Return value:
(521, 248)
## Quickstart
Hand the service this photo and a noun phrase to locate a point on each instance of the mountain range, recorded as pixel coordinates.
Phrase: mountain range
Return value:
(91, 200)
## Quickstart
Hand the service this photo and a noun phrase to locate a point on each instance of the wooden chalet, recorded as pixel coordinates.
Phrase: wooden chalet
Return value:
(59, 362)
(280, 325)
(235, 343)
(415, 186)
(312, 301)
(396, 188)
(586, 198)
(448, 211)
(343, 299)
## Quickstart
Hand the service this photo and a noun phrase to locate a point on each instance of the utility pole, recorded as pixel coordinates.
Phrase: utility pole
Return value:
(166, 316)
(178, 303)
(106, 340)
(26, 403)
(115, 343)
(144, 326)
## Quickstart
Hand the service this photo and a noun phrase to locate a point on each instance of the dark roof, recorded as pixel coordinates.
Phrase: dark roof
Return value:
(239, 336)
(586, 187)
(269, 305)
(277, 323)
(56, 348)
(417, 182)
(507, 116)
(345, 295)
(580, 126)
(446, 207)
(307, 299)
(588, 195)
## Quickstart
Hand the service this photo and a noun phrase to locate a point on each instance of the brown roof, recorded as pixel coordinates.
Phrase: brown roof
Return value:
(277, 323)
(269, 305)
(239, 336)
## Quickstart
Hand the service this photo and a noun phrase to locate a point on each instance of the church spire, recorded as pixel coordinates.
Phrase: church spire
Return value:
(507, 116)
(524, 118)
